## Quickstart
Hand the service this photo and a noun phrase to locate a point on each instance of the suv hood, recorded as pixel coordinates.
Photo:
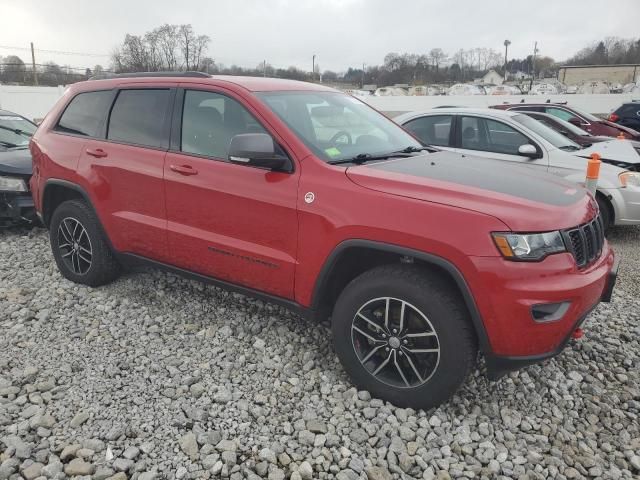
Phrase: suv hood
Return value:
(15, 162)
(523, 198)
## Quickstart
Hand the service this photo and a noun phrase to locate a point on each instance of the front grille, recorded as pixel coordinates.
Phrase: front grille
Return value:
(586, 241)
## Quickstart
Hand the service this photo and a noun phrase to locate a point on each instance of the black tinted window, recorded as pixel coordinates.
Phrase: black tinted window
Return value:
(85, 113)
(138, 117)
(433, 130)
(210, 121)
(629, 110)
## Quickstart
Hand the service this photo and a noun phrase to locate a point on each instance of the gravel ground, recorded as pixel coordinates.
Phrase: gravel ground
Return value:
(159, 377)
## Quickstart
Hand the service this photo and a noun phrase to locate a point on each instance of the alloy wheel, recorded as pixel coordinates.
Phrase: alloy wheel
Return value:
(75, 246)
(395, 342)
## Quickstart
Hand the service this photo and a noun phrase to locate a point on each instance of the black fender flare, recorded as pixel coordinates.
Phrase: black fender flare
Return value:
(331, 261)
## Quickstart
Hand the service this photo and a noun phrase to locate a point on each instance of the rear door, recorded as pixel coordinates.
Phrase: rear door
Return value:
(489, 138)
(125, 170)
(229, 221)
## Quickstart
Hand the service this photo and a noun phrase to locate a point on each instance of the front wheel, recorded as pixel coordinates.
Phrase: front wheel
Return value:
(404, 335)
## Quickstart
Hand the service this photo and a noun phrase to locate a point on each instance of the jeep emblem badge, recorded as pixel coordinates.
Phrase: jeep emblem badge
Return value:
(309, 197)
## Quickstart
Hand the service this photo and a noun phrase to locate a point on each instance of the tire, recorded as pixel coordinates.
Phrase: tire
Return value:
(436, 376)
(85, 258)
(606, 212)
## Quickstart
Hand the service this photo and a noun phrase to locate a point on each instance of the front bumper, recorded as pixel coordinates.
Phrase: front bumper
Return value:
(16, 208)
(511, 290)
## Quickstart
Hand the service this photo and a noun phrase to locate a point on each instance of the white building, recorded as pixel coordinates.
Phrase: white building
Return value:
(492, 77)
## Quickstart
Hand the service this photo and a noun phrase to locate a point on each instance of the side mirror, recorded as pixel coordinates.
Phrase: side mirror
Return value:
(528, 150)
(575, 121)
(257, 150)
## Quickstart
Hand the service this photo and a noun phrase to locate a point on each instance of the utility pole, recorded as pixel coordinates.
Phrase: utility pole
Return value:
(533, 65)
(33, 64)
(264, 68)
(313, 68)
(506, 47)
(362, 82)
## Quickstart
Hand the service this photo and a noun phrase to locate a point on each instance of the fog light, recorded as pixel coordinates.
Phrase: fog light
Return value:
(549, 312)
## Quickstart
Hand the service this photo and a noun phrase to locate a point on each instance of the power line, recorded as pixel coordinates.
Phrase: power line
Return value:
(57, 52)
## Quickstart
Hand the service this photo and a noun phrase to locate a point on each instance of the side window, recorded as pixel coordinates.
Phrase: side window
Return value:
(491, 136)
(138, 117)
(85, 113)
(473, 137)
(503, 138)
(432, 130)
(209, 122)
(560, 113)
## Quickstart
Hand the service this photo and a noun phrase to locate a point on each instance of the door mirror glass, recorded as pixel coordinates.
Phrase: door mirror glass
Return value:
(528, 150)
(576, 121)
(257, 150)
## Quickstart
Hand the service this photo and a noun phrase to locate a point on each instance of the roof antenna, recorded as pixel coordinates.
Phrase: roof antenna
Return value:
(548, 100)
(522, 101)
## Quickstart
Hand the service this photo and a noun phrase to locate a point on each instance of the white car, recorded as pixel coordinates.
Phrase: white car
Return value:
(514, 137)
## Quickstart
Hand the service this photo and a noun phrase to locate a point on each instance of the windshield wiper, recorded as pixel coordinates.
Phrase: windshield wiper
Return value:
(569, 148)
(366, 157)
(412, 149)
(8, 144)
(17, 131)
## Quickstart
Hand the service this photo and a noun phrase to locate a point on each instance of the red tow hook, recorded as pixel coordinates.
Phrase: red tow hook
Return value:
(577, 333)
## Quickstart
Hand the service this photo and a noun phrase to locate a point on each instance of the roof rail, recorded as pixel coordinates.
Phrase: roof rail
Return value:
(151, 74)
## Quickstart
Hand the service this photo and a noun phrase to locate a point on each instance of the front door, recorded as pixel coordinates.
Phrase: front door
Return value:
(488, 138)
(233, 222)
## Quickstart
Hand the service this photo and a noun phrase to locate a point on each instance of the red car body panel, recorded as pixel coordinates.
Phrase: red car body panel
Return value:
(258, 229)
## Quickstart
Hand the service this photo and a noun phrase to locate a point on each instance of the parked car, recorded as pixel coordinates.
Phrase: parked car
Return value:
(16, 205)
(627, 115)
(586, 121)
(307, 197)
(569, 130)
(517, 138)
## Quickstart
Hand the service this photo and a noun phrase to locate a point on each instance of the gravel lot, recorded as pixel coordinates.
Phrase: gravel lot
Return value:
(158, 377)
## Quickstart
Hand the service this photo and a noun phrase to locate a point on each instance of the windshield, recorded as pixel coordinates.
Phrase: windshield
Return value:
(588, 116)
(15, 131)
(554, 138)
(570, 127)
(337, 126)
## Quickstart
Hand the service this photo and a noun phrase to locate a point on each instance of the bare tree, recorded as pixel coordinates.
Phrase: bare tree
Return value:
(437, 56)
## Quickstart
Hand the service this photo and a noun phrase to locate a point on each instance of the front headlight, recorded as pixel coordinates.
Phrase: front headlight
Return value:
(529, 246)
(8, 184)
(629, 178)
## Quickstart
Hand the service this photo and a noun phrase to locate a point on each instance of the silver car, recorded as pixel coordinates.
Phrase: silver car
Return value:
(516, 137)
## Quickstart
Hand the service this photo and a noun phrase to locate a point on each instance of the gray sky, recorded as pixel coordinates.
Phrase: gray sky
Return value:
(341, 33)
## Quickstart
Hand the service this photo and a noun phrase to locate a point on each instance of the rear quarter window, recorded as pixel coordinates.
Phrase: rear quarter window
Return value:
(85, 113)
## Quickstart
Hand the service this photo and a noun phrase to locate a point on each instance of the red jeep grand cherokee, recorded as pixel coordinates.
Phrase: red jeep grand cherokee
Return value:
(310, 198)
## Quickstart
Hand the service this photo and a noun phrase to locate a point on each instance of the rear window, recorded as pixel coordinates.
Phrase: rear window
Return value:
(138, 117)
(85, 113)
(629, 109)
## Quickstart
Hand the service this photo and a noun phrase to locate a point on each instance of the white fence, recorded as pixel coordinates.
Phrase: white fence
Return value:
(596, 104)
(35, 102)
(30, 102)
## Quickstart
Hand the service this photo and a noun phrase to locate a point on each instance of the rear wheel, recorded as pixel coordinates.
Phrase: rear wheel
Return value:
(79, 245)
(403, 334)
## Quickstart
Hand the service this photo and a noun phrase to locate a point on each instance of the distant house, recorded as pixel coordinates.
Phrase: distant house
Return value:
(519, 75)
(492, 77)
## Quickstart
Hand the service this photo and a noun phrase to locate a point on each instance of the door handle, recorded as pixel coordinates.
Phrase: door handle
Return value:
(184, 169)
(97, 152)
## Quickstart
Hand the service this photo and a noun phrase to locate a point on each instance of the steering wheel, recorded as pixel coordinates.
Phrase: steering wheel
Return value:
(341, 134)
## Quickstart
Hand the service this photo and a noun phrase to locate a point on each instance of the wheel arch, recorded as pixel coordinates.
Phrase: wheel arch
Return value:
(57, 191)
(335, 275)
